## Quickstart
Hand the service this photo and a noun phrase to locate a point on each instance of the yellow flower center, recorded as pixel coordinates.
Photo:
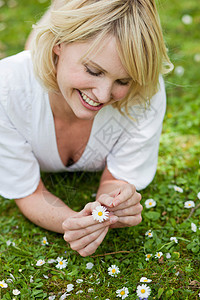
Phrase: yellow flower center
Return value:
(150, 203)
(44, 242)
(113, 270)
(148, 255)
(60, 262)
(189, 204)
(100, 213)
(142, 291)
(145, 280)
(122, 293)
(1, 285)
(158, 254)
(149, 233)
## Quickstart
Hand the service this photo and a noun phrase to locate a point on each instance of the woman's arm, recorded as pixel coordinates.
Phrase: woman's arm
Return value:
(80, 230)
(44, 209)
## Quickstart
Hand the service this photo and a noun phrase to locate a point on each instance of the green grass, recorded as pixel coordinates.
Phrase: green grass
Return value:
(174, 278)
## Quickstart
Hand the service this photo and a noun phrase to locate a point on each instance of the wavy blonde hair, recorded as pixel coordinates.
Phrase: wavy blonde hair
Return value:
(134, 23)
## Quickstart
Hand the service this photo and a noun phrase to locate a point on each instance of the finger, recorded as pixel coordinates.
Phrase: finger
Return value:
(136, 198)
(126, 192)
(91, 248)
(72, 235)
(86, 240)
(130, 211)
(106, 200)
(127, 221)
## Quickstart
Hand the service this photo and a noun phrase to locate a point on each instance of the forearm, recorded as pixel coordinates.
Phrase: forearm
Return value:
(44, 209)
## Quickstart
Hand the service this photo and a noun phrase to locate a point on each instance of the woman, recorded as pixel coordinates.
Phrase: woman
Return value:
(81, 102)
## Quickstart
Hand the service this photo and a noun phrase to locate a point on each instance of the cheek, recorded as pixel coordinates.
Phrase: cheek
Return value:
(121, 92)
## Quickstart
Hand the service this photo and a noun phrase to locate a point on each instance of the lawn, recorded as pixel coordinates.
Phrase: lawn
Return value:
(29, 263)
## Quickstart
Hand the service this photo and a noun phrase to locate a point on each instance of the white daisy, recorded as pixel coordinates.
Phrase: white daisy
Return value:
(52, 297)
(40, 262)
(51, 261)
(123, 293)
(149, 233)
(113, 271)
(62, 263)
(70, 287)
(189, 204)
(193, 227)
(100, 213)
(90, 290)
(177, 188)
(64, 296)
(79, 292)
(3, 284)
(44, 241)
(158, 254)
(168, 255)
(197, 57)
(187, 19)
(148, 256)
(31, 279)
(143, 291)
(150, 203)
(16, 292)
(174, 239)
(198, 195)
(45, 276)
(89, 266)
(79, 280)
(144, 279)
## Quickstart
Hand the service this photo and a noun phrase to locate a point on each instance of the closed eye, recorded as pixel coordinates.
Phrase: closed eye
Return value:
(88, 70)
(120, 82)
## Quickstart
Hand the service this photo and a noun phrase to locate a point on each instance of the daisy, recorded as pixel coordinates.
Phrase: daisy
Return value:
(44, 241)
(123, 293)
(3, 284)
(70, 287)
(174, 239)
(100, 213)
(149, 233)
(148, 256)
(79, 280)
(31, 279)
(168, 255)
(40, 262)
(187, 19)
(158, 254)
(89, 266)
(16, 292)
(51, 261)
(45, 276)
(180, 70)
(113, 271)
(150, 203)
(144, 279)
(90, 290)
(79, 292)
(198, 195)
(193, 227)
(143, 291)
(52, 297)
(64, 296)
(62, 263)
(189, 204)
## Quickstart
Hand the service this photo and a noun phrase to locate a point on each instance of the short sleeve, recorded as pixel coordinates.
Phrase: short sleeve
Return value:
(19, 169)
(134, 156)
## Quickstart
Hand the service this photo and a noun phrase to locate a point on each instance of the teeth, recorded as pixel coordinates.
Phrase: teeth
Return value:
(89, 101)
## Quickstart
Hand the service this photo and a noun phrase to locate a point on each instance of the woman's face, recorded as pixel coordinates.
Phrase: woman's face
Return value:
(89, 84)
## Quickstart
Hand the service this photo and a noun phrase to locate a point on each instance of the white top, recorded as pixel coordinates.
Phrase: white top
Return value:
(28, 140)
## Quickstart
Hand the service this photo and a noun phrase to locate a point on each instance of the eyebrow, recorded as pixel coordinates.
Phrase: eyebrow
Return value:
(102, 70)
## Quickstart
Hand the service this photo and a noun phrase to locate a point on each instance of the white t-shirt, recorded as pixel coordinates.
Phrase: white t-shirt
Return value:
(28, 140)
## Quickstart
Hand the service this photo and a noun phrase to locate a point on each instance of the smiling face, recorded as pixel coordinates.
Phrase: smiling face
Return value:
(88, 84)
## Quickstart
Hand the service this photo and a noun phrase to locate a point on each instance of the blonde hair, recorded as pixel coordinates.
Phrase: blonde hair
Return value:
(136, 27)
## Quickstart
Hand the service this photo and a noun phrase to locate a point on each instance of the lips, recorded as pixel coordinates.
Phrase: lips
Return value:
(89, 103)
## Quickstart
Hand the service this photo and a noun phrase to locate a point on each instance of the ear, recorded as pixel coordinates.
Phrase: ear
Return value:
(57, 49)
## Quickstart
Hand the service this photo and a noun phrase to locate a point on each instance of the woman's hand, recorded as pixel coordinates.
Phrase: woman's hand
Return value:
(83, 233)
(123, 202)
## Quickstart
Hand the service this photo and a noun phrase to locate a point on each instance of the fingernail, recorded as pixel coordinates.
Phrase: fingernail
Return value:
(110, 204)
(115, 203)
(113, 219)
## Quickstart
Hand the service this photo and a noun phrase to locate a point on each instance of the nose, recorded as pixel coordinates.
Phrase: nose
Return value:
(103, 92)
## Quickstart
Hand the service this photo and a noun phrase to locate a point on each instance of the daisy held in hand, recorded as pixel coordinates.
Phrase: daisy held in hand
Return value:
(100, 213)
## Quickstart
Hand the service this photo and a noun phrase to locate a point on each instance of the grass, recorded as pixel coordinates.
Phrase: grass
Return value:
(175, 278)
